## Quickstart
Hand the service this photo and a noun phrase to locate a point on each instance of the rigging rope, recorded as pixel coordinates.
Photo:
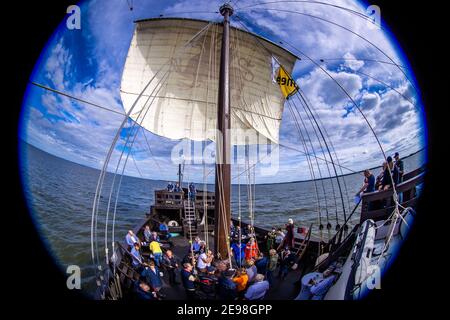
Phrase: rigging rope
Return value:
(317, 164)
(311, 169)
(328, 170)
(359, 14)
(347, 29)
(99, 188)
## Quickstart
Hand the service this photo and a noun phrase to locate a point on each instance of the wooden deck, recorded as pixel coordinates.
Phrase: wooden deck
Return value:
(281, 290)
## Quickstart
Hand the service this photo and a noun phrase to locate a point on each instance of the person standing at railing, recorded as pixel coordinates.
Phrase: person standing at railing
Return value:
(177, 188)
(136, 256)
(369, 183)
(288, 240)
(400, 166)
(170, 187)
(192, 192)
(389, 181)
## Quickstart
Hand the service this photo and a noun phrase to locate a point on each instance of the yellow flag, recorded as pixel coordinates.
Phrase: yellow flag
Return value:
(287, 84)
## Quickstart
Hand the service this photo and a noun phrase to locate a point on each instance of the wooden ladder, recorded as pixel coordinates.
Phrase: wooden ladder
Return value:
(304, 245)
(190, 219)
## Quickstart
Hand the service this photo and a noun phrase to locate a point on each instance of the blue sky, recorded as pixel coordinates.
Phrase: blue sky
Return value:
(88, 64)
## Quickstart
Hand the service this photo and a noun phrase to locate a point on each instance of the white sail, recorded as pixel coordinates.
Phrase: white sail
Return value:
(185, 106)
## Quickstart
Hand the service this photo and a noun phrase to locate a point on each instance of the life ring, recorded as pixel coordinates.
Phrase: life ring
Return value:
(172, 223)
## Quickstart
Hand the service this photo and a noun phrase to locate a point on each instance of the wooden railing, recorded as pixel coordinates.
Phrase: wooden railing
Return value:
(379, 205)
(167, 199)
(174, 200)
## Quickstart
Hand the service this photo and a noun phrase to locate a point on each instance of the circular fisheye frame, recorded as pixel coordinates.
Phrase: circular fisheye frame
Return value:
(171, 148)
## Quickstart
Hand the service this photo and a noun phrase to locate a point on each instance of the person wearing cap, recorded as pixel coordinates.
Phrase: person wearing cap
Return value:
(288, 240)
(388, 182)
(400, 166)
(257, 290)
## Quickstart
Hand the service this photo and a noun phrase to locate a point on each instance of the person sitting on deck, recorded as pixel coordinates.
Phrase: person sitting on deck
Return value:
(189, 258)
(261, 264)
(164, 230)
(251, 249)
(286, 261)
(387, 181)
(273, 262)
(154, 237)
(170, 187)
(136, 257)
(152, 276)
(270, 238)
(204, 261)
(202, 248)
(227, 289)
(131, 239)
(192, 192)
(241, 280)
(143, 291)
(400, 166)
(279, 238)
(155, 248)
(170, 263)
(251, 270)
(238, 250)
(195, 247)
(257, 290)
(177, 188)
(369, 183)
(319, 289)
(147, 234)
(188, 279)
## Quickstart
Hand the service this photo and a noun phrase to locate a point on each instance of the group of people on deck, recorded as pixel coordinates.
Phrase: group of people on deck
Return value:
(249, 276)
(174, 187)
(391, 174)
(192, 191)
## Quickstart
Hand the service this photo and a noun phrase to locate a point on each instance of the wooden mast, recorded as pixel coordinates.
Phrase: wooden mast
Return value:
(223, 146)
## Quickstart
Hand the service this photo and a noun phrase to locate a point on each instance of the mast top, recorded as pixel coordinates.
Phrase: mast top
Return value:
(226, 8)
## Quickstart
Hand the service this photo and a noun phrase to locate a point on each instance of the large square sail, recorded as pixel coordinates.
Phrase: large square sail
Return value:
(181, 100)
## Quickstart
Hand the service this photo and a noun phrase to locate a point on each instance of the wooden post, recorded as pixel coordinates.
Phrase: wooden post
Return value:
(223, 147)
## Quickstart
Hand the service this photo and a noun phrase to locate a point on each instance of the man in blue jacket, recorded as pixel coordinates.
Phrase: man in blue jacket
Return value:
(153, 276)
